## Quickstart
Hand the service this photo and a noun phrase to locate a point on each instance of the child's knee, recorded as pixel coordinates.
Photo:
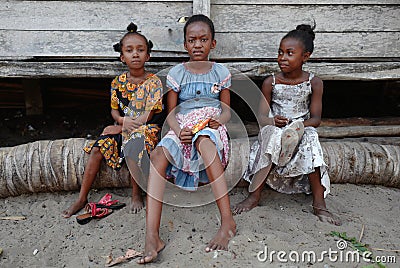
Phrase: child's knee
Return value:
(156, 154)
(200, 140)
(203, 141)
(95, 152)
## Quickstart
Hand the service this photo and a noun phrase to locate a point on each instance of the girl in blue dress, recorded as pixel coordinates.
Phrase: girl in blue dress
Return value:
(195, 150)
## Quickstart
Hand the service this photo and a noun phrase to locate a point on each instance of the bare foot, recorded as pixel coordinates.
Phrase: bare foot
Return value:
(74, 208)
(325, 216)
(222, 237)
(154, 245)
(249, 203)
(137, 203)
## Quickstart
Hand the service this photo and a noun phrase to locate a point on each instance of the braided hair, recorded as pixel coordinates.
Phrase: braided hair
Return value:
(201, 18)
(305, 34)
(132, 29)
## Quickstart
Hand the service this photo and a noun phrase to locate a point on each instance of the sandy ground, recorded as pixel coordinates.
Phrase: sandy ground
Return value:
(281, 223)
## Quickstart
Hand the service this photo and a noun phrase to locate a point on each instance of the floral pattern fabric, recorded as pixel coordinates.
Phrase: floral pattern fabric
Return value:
(131, 100)
(291, 101)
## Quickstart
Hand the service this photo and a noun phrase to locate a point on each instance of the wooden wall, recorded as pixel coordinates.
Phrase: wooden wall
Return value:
(355, 39)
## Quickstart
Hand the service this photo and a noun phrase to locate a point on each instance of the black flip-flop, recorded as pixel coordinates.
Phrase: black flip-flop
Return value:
(114, 206)
(87, 217)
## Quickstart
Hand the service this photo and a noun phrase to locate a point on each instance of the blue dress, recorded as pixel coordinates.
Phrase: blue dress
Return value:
(198, 99)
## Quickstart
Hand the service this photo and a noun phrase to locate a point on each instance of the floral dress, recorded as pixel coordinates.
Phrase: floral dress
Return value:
(131, 100)
(293, 102)
(198, 100)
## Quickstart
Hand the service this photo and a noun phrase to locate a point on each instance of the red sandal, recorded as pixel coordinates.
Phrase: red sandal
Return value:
(106, 202)
(92, 212)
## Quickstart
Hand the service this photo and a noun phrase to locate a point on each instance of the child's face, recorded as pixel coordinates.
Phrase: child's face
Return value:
(199, 41)
(291, 55)
(134, 51)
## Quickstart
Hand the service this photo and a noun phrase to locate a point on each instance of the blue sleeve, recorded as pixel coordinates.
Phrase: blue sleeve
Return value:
(225, 76)
(174, 75)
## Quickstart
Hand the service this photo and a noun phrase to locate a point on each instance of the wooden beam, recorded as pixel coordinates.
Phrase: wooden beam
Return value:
(168, 41)
(359, 131)
(202, 7)
(306, 2)
(363, 71)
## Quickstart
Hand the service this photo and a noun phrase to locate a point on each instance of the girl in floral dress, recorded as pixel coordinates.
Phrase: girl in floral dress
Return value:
(288, 155)
(135, 99)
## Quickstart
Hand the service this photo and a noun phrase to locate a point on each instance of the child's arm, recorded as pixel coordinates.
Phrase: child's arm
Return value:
(117, 117)
(184, 134)
(130, 123)
(316, 103)
(263, 110)
(225, 116)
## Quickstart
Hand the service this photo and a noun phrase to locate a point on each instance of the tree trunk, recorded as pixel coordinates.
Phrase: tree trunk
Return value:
(49, 166)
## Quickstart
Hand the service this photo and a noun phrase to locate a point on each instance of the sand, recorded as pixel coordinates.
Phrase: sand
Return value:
(281, 222)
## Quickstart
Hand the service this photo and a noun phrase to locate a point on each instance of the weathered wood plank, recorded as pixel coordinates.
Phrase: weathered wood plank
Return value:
(359, 131)
(327, 45)
(92, 16)
(81, 43)
(336, 132)
(360, 121)
(327, 71)
(305, 2)
(283, 18)
(202, 7)
(86, 15)
(246, 46)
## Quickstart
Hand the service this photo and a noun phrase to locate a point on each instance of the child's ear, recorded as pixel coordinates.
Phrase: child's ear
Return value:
(185, 45)
(306, 56)
(213, 44)
(122, 58)
(147, 57)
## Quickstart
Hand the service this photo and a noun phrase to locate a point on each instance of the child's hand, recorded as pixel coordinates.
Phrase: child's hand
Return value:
(280, 121)
(213, 123)
(130, 124)
(112, 130)
(137, 123)
(186, 135)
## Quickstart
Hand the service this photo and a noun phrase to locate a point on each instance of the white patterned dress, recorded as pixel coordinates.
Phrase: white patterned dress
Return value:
(293, 102)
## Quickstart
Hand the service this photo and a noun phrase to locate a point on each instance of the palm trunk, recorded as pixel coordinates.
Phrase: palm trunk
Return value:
(49, 166)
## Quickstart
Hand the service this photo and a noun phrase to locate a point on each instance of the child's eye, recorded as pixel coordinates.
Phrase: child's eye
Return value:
(290, 53)
(280, 52)
(191, 41)
(204, 40)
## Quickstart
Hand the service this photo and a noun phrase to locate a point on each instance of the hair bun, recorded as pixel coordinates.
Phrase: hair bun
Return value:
(307, 28)
(132, 28)
(117, 47)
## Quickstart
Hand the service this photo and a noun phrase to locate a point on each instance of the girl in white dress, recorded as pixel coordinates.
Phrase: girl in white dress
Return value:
(288, 155)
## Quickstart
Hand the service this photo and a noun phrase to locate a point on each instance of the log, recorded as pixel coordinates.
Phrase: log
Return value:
(50, 166)
(359, 131)
(360, 121)
(335, 132)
